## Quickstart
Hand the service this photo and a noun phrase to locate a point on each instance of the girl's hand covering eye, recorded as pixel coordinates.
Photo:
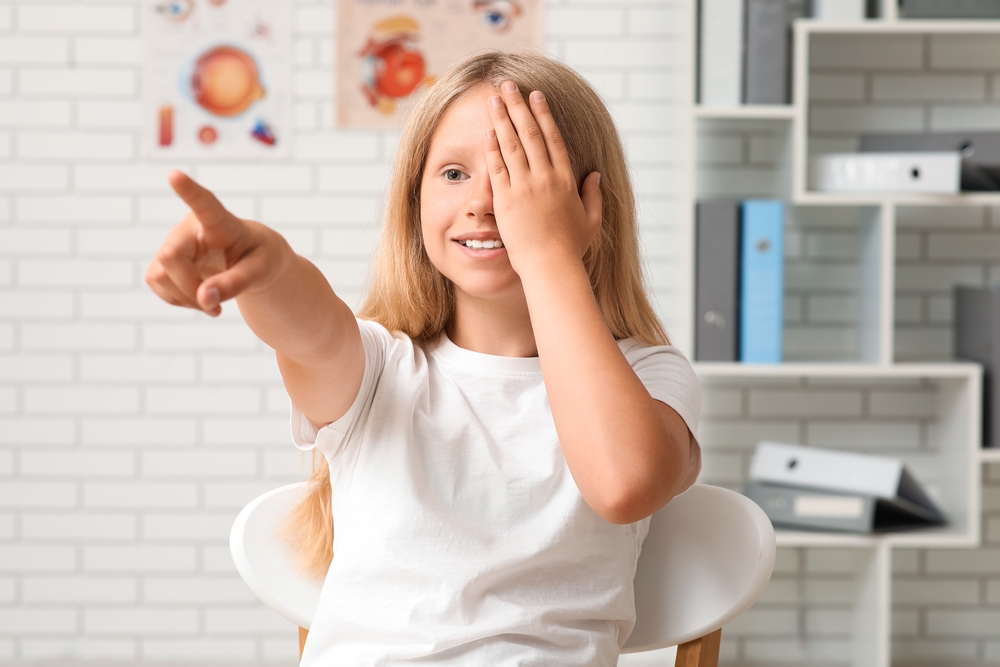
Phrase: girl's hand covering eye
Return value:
(539, 212)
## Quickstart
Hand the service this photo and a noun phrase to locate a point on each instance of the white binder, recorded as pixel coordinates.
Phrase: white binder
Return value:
(840, 472)
(721, 71)
(886, 172)
(838, 10)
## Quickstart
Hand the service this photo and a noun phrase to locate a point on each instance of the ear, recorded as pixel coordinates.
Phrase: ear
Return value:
(593, 205)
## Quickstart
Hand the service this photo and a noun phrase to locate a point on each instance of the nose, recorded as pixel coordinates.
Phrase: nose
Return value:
(480, 202)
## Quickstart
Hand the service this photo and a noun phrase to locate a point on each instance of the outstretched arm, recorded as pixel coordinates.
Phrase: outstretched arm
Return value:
(213, 256)
(628, 453)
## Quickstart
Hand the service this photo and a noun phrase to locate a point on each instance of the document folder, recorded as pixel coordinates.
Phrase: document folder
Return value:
(977, 338)
(896, 497)
(887, 172)
(721, 73)
(980, 151)
(762, 282)
(717, 280)
(807, 509)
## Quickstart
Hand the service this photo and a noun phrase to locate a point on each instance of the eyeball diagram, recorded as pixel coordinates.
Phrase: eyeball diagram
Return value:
(391, 68)
(225, 81)
(498, 15)
(175, 10)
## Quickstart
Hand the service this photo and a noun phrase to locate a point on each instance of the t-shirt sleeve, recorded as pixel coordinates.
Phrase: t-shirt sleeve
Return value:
(331, 438)
(668, 377)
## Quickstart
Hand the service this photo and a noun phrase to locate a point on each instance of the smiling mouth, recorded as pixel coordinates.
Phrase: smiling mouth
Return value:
(488, 244)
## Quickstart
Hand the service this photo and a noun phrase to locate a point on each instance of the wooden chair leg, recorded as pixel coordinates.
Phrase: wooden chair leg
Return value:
(303, 633)
(701, 652)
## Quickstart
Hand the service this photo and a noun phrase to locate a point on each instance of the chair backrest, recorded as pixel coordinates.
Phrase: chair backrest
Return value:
(267, 562)
(708, 556)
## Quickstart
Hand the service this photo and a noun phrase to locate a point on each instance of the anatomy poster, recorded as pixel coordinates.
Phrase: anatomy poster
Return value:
(388, 50)
(217, 78)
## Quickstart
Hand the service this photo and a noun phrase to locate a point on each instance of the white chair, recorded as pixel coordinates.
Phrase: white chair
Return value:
(707, 558)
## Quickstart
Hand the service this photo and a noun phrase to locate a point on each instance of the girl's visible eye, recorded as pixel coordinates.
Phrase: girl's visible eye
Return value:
(454, 175)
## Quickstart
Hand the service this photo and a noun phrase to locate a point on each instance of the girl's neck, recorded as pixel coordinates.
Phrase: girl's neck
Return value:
(492, 326)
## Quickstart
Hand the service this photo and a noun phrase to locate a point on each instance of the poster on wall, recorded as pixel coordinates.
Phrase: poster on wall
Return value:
(217, 78)
(388, 51)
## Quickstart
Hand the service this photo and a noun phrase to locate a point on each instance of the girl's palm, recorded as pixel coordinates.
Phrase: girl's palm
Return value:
(538, 209)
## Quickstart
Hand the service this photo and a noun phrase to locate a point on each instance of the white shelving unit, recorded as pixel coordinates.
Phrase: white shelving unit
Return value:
(945, 397)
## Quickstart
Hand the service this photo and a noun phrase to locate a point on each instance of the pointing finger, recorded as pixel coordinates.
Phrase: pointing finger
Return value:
(210, 211)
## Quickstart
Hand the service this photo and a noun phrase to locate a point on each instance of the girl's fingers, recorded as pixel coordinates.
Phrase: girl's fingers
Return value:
(524, 122)
(499, 176)
(232, 282)
(510, 145)
(177, 260)
(159, 281)
(555, 147)
(201, 200)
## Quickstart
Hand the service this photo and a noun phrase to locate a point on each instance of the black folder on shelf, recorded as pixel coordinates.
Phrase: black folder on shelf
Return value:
(766, 50)
(949, 9)
(980, 151)
(717, 282)
(977, 338)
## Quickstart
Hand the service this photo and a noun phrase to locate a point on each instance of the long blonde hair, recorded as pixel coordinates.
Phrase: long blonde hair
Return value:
(407, 293)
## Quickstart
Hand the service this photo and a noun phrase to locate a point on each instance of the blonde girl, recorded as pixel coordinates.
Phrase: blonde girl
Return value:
(504, 414)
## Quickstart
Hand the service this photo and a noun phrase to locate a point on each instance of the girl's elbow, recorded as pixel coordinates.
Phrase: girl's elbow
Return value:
(630, 502)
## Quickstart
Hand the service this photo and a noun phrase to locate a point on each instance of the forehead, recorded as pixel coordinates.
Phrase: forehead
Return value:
(464, 123)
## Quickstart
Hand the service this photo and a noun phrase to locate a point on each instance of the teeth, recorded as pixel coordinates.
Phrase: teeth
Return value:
(488, 244)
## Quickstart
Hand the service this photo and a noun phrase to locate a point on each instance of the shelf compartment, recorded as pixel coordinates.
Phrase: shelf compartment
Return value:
(838, 287)
(890, 78)
(743, 156)
(927, 415)
(824, 606)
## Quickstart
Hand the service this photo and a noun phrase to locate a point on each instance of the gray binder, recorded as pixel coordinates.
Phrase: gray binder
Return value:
(765, 61)
(717, 260)
(977, 337)
(811, 509)
(949, 9)
(980, 152)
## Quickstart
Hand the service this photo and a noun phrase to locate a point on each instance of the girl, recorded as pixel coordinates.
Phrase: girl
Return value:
(504, 415)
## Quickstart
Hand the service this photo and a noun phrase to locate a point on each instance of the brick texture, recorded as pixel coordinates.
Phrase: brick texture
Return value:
(131, 433)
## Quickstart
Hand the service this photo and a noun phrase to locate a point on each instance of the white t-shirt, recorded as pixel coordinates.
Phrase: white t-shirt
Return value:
(460, 536)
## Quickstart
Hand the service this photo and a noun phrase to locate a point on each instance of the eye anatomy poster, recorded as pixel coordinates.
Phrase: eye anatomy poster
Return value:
(389, 50)
(217, 78)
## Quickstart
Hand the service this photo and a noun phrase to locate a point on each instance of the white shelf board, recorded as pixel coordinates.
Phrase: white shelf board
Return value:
(900, 26)
(812, 198)
(918, 538)
(989, 455)
(750, 111)
(836, 370)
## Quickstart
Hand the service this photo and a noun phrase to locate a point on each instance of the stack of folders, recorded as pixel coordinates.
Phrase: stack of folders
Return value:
(977, 337)
(808, 488)
(739, 287)
(744, 52)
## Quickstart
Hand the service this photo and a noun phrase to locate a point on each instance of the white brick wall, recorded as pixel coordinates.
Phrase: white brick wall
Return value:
(131, 433)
